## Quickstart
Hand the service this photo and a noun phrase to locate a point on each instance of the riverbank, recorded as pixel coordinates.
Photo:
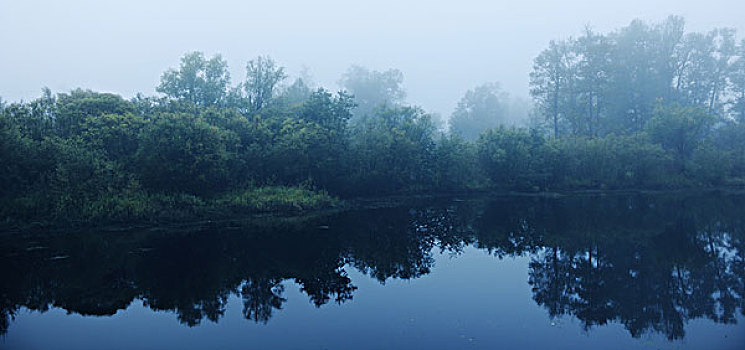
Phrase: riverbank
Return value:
(279, 204)
(154, 209)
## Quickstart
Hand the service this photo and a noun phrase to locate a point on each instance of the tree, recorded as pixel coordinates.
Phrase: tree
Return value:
(36, 119)
(737, 87)
(183, 153)
(262, 79)
(298, 92)
(16, 152)
(116, 134)
(548, 81)
(599, 84)
(371, 88)
(680, 129)
(313, 144)
(510, 157)
(199, 81)
(74, 109)
(637, 81)
(456, 165)
(709, 62)
(482, 108)
(594, 55)
(393, 150)
(331, 112)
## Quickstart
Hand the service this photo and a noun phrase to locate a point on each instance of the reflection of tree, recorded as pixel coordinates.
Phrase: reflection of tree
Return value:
(194, 273)
(397, 243)
(655, 282)
(389, 248)
(261, 297)
(550, 274)
(321, 287)
(649, 263)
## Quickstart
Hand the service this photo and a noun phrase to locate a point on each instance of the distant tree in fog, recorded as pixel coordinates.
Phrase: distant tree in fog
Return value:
(600, 84)
(482, 108)
(371, 88)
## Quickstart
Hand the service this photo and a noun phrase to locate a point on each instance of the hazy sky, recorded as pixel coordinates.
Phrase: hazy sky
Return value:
(443, 48)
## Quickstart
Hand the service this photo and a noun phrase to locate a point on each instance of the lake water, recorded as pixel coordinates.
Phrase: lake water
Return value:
(520, 272)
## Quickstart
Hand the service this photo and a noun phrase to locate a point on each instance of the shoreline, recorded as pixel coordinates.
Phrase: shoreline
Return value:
(293, 215)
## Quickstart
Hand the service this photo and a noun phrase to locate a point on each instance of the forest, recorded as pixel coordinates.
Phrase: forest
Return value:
(647, 106)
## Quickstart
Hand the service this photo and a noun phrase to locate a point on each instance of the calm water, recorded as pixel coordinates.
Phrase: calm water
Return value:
(603, 272)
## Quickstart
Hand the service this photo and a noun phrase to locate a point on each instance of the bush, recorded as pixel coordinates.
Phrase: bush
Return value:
(183, 153)
(611, 162)
(276, 198)
(512, 157)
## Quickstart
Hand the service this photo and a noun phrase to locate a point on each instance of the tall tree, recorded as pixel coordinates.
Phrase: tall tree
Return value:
(636, 81)
(198, 80)
(263, 77)
(737, 85)
(593, 51)
(548, 80)
(704, 79)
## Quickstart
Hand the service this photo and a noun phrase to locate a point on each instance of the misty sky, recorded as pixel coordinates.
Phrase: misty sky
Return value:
(443, 48)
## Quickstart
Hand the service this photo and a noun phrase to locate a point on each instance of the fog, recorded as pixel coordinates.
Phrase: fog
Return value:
(214, 164)
(442, 48)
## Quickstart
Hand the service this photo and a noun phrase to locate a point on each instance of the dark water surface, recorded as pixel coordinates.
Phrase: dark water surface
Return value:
(577, 272)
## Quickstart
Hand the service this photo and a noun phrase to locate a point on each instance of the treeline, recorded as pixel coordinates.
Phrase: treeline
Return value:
(207, 147)
(596, 84)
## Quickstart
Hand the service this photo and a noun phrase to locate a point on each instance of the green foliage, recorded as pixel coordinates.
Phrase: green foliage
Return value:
(116, 134)
(35, 120)
(709, 166)
(208, 149)
(16, 158)
(679, 129)
(262, 79)
(276, 198)
(81, 176)
(456, 165)
(183, 153)
(73, 109)
(611, 162)
(510, 157)
(730, 138)
(393, 151)
(199, 81)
